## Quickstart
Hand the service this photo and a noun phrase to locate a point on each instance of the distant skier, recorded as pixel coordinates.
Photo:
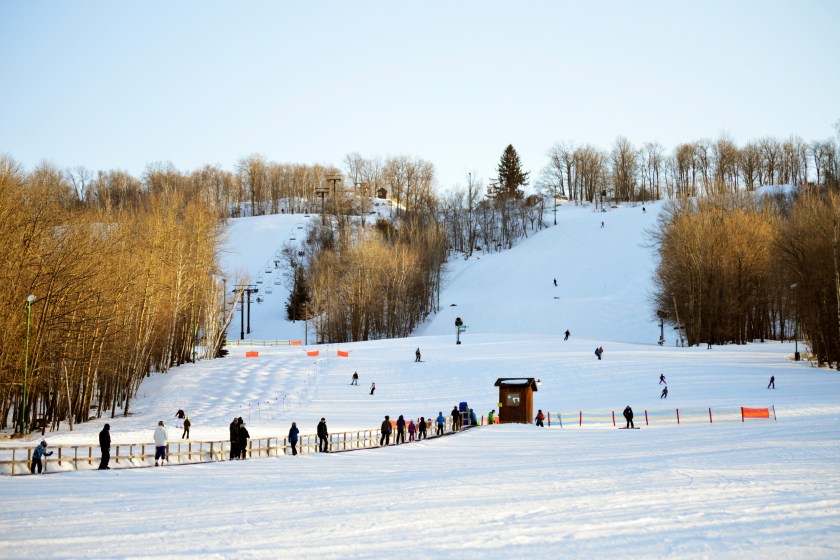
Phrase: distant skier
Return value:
(160, 444)
(400, 430)
(180, 415)
(234, 439)
(456, 418)
(385, 438)
(187, 424)
(440, 422)
(662, 379)
(412, 430)
(417, 355)
(643, 210)
(568, 334)
(628, 415)
(372, 388)
(323, 435)
(243, 439)
(772, 384)
(598, 352)
(555, 282)
(294, 433)
(539, 418)
(421, 428)
(40, 451)
(602, 225)
(355, 380)
(664, 394)
(105, 447)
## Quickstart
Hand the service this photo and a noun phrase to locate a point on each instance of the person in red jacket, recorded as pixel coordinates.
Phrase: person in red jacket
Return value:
(539, 418)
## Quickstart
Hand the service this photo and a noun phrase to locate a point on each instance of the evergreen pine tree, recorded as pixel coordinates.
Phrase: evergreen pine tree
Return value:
(298, 298)
(511, 177)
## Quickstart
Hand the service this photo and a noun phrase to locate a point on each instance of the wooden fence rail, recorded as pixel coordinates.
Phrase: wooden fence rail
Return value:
(694, 415)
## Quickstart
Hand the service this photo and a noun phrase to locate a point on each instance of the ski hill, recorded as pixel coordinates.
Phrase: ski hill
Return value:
(692, 490)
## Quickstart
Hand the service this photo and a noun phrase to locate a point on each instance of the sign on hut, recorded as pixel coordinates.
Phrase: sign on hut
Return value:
(516, 399)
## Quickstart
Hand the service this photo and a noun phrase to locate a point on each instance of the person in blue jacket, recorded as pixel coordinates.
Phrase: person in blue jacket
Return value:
(440, 422)
(293, 437)
(40, 451)
(400, 430)
(473, 418)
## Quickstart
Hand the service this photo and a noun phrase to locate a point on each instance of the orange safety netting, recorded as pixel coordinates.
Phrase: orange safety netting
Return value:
(755, 412)
(252, 354)
(343, 354)
(313, 352)
(295, 342)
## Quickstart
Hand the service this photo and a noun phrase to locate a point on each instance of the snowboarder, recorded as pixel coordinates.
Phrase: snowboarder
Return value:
(664, 394)
(539, 418)
(323, 434)
(40, 451)
(772, 384)
(421, 428)
(372, 388)
(491, 418)
(456, 419)
(417, 355)
(160, 444)
(243, 439)
(234, 439)
(568, 334)
(440, 422)
(355, 380)
(105, 447)
(293, 437)
(400, 430)
(385, 438)
(662, 379)
(628, 415)
(180, 415)
(412, 430)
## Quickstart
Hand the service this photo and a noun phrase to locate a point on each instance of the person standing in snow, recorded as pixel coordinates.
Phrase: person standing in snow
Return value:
(628, 415)
(491, 418)
(440, 422)
(772, 384)
(323, 435)
(473, 418)
(539, 418)
(664, 394)
(555, 282)
(421, 428)
(187, 424)
(355, 380)
(372, 388)
(180, 415)
(293, 437)
(385, 429)
(234, 439)
(598, 352)
(160, 444)
(243, 439)
(568, 334)
(417, 355)
(456, 419)
(105, 447)
(400, 430)
(412, 430)
(40, 451)
(662, 379)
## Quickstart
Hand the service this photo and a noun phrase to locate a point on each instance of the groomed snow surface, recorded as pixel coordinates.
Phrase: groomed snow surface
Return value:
(696, 490)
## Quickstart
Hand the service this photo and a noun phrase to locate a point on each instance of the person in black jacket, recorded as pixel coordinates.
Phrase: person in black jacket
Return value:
(234, 439)
(385, 438)
(293, 437)
(187, 423)
(243, 439)
(400, 430)
(105, 446)
(628, 415)
(456, 419)
(323, 434)
(421, 429)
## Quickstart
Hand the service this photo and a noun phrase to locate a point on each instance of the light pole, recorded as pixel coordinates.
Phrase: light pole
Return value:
(796, 325)
(30, 299)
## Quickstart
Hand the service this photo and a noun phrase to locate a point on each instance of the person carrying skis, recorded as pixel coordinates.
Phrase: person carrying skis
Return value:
(412, 430)
(662, 379)
(628, 415)
(234, 439)
(293, 437)
(385, 438)
(539, 418)
(160, 444)
(421, 428)
(355, 380)
(323, 434)
(417, 355)
(105, 447)
(244, 436)
(400, 430)
(440, 422)
(187, 424)
(40, 451)
(664, 394)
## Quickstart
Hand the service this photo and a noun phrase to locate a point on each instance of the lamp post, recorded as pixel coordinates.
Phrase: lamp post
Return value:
(796, 325)
(30, 299)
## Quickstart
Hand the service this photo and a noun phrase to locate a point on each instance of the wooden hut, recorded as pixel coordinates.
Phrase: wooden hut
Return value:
(516, 399)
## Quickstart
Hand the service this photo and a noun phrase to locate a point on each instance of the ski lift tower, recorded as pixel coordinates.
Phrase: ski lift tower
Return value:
(243, 290)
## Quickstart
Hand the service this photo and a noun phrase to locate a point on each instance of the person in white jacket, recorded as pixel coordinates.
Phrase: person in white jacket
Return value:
(160, 443)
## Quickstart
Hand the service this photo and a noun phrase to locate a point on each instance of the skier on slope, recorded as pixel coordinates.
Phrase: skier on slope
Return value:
(664, 394)
(417, 355)
(662, 379)
(628, 415)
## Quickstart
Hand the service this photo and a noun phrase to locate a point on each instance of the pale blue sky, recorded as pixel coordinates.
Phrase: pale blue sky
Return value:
(122, 84)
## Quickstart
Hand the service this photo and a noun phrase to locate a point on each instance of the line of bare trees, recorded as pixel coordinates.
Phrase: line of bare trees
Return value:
(734, 268)
(122, 289)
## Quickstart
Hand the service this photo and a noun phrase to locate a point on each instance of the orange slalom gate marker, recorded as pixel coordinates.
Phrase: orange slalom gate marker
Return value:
(252, 354)
(754, 413)
(343, 354)
(296, 343)
(313, 352)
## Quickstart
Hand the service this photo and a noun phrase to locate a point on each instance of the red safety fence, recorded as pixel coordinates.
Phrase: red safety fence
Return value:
(343, 354)
(313, 352)
(252, 354)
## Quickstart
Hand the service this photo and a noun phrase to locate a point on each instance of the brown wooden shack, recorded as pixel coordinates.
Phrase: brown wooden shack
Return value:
(516, 399)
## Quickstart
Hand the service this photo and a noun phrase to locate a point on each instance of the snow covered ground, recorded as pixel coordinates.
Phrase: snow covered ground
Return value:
(697, 490)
